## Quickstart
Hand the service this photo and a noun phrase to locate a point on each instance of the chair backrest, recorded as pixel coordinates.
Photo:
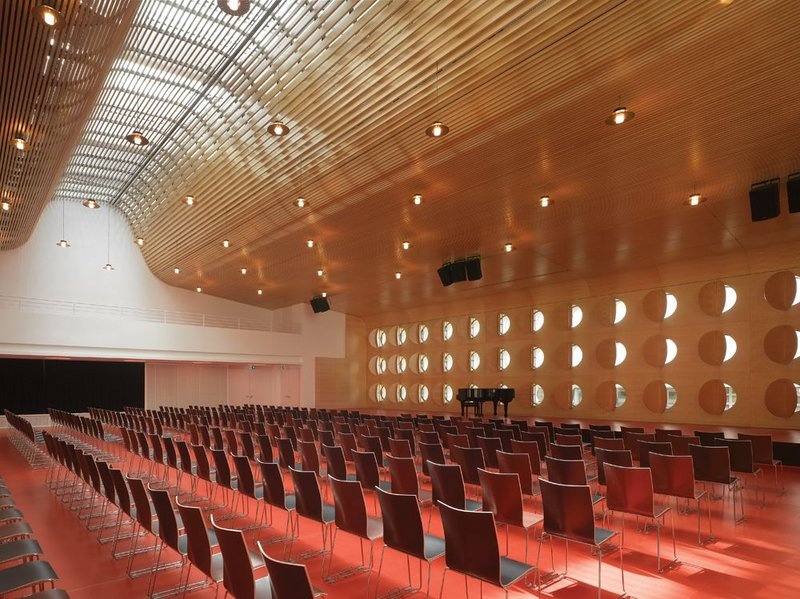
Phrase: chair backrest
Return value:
(431, 437)
(430, 452)
(533, 449)
(288, 580)
(470, 459)
(519, 464)
(600, 427)
(471, 543)
(709, 437)
(238, 573)
(264, 448)
(334, 457)
(447, 484)
(201, 461)
(274, 491)
(349, 505)
(223, 474)
(566, 452)
(285, 452)
(407, 434)
(680, 445)
(566, 472)
(170, 452)
(569, 439)
(540, 436)
(167, 523)
(400, 448)
(326, 437)
(307, 496)
(349, 445)
(741, 454)
(711, 464)
(231, 441)
(632, 441)
(121, 490)
(402, 523)
(366, 469)
(373, 444)
(619, 457)
(502, 495)
(673, 475)
(457, 439)
(663, 434)
(144, 516)
(108, 483)
(490, 446)
(568, 511)
(246, 441)
(403, 475)
(648, 447)
(608, 443)
(543, 424)
(629, 490)
(244, 474)
(762, 447)
(185, 455)
(309, 456)
(198, 544)
(571, 425)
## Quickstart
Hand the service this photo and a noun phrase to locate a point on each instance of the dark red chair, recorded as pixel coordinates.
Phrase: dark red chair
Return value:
(288, 580)
(648, 447)
(673, 476)
(763, 455)
(200, 542)
(239, 579)
(712, 465)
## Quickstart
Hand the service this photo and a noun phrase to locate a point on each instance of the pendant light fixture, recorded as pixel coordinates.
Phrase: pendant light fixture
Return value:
(21, 143)
(6, 206)
(108, 241)
(93, 204)
(137, 138)
(236, 8)
(277, 128)
(301, 202)
(48, 14)
(437, 128)
(63, 243)
(620, 115)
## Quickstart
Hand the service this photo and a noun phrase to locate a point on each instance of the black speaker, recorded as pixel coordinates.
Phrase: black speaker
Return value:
(474, 272)
(793, 192)
(764, 202)
(446, 274)
(459, 270)
(320, 304)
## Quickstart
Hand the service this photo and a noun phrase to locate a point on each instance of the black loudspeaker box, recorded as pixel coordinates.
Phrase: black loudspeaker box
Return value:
(320, 304)
(793, 192)
(764, 200)
(459, 271)
(445, 274)
(474, 272)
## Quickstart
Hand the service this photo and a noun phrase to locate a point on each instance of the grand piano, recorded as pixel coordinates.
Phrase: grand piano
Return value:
(476, 397)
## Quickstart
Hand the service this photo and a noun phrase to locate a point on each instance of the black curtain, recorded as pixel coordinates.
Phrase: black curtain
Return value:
(33, 386)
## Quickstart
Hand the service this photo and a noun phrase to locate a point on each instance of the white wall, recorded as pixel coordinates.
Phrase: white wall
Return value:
(57, 302)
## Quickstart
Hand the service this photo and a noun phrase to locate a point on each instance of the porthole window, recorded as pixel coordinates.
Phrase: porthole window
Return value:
(400, 364)
(620, 310)
(474, 361)
(379, 393)
(672, 396)
(797, 387)
(537, 395)
(672, 305)
(537, 320)
(447, 393)
(422, 393)
(474, 328)
(796, 299)
(422, 333)
(422, 363)
(621, 353)
(378, 338)
(730, 298)
(447, 330)
(576, 356)
(537, 357)
(503, 324)
(401, 393)
(400, 336)
(575, 316)
(730, 347)
(621, 395)
(377, 365)
(672, 351)
(447, 362)
(503, 359)
(730, 396)
(576, 396)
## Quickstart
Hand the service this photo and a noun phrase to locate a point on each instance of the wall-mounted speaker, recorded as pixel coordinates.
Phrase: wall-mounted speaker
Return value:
(445, 274)
(793, 192)
(320, 304)
(459, 271)
(764, 200)
(474, 272)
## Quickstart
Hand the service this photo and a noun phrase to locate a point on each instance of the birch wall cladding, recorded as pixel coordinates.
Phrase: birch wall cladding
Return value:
(719, 351)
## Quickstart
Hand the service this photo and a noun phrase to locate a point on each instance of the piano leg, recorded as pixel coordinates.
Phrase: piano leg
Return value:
(494, 401)
(505, 409)
(463, 408)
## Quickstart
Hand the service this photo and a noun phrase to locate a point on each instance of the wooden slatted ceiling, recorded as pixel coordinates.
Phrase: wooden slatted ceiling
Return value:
(525, 88)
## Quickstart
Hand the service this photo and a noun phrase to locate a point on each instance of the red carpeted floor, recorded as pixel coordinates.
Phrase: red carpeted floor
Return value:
(758, 558)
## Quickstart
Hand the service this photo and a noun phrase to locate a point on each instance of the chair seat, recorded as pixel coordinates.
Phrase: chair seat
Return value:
(21, 549)
(529, 519)
(472, 506)
(16, 529)
(374, 528)
(290, 502)
(51, 594)
(263, 588)
(424, 496)
(385, 485)
(4, 492)
(601, 535)
(433, 547)
(25, 575)
(7, 502)
(10, 514)
(511, 570)
(328, 513)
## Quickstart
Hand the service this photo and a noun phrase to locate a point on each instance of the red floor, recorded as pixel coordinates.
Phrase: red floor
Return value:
(758, 558)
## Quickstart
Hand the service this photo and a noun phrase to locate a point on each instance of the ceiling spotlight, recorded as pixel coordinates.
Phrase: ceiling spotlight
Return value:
(277, 128)
(137, 139)
(417, 199)
(398, 275)
(437, 129)
(324, 294)
(21, 143)
(244, 271)
(63, 243)
(93, 204)
(260, 292)
(6, 206)
(320, 272)
(545, 201)
(189, 200)
(310, 243)
(140, 241)
(695, 200)
(509, 247)
(199, 290)
(619, 116)
(48, 14)
(176, 270)
(226, 243)
(406, 245)
(237, 8)
(301, 202)
(108, 266)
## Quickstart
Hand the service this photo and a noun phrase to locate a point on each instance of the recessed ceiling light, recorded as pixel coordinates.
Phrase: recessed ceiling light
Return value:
(6, 206)
(189, 200)
(320, 272)
(199, 290)
(260, 292)
(509, 247)
(137, 139)
(406, 245)
(324, 294)
(226, 243)
(277, 128)
(108, 266)
(93, 204)
(619, 116)
(244, 271)
(545, 201)
(48, 14)
(176, 270)
(63, 243)
(140, 241)
(21, 143)
(301, 202)
(437, 129)
(417, 199)
(398, 275)
(310, 243)
(237, 8)
(695, 200)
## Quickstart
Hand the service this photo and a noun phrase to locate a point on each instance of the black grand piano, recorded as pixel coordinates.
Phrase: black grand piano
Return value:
(476, 397)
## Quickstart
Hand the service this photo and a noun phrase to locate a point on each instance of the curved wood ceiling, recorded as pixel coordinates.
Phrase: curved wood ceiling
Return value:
(525, 88)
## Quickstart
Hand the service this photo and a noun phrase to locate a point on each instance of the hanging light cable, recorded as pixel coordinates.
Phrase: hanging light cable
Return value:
(437, 128)
(63, 243)
(108, 240)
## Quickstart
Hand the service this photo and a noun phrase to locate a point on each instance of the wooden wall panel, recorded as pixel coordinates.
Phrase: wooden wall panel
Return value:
(342, 381)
